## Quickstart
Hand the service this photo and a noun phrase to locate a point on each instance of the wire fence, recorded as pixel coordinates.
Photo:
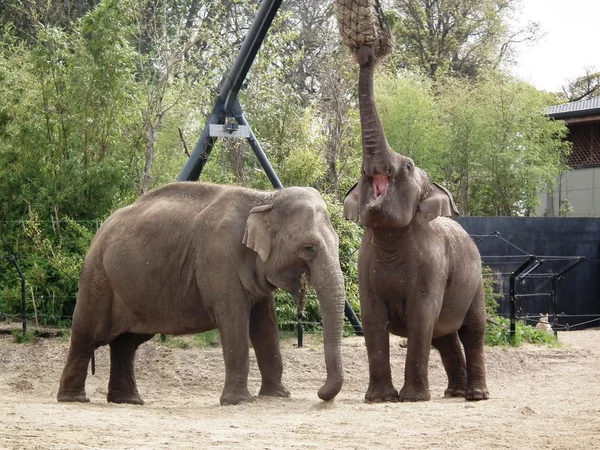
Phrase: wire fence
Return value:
(498, 263)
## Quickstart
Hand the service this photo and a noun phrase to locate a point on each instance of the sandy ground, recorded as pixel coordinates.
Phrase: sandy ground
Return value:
(541, 398)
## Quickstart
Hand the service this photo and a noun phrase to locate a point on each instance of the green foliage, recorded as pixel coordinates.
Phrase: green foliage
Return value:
(23, 338)
(411, 118)
(50, 256)
(461, 38)
(208, 339)
(490, 294)
(498, 333)
(173, 342)
(99, 102)
(498, 328)
(487, 142)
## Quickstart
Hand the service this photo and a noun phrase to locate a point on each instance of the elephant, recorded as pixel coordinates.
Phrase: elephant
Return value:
(190, 257)
(419, 271)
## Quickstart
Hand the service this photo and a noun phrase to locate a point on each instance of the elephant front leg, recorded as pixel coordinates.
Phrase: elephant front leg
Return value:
(122, 387)
(264, 335)
(234, 330)
(377, 340)
(416, 382)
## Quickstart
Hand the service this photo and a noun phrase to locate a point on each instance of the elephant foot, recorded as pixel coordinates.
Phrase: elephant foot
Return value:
(475, 394)
(124, 397)
(413, 394)
(375, 395)
(274, 390)
(72, 396)
(453, 392)
(235, 398)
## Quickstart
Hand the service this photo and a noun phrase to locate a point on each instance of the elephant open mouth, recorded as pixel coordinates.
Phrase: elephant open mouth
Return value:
(380, 185)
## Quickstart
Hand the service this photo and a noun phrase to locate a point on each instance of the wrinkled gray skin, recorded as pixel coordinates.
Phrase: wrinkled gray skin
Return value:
(192, 257)
(419, 271)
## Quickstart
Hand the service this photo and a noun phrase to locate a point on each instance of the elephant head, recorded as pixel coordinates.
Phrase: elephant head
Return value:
(391, 191)
(292, 237)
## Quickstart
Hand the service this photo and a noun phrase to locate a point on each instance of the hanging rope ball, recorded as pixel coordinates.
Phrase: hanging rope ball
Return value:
(362, 23)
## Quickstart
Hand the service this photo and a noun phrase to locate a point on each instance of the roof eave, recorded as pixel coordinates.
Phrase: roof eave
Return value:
(568, 114)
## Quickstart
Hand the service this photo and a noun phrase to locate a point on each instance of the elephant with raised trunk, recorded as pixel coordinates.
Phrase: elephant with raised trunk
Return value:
(419, 271)
(192, 257)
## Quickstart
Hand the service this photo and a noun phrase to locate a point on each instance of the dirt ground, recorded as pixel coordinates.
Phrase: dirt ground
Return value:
(541, 398)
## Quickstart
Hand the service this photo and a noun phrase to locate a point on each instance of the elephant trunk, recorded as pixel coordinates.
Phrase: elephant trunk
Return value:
(376, 154)
(329, 285)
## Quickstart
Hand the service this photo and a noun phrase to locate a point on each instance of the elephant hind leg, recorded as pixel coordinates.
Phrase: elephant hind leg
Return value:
(72, 381)
(122, 387)
(472, 336)
(454, 363)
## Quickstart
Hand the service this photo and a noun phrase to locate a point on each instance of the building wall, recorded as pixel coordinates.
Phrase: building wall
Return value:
(579, 188)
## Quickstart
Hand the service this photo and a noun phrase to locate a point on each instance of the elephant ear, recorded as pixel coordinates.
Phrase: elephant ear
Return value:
(437, 202)
(351, 206)
(257, 235)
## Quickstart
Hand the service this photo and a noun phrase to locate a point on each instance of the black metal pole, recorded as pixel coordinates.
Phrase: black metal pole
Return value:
(227, 105)
(554, 304)
(230, 86)
(557, 277)
(193, 167)
(260, 154)
(299, 329)
(256, 34)
(351, 316)
(513, 294)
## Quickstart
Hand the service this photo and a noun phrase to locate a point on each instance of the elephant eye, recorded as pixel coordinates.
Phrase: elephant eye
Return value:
(307, 250)
(410, 166)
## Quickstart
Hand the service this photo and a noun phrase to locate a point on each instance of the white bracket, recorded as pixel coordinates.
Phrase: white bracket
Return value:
(229, 130)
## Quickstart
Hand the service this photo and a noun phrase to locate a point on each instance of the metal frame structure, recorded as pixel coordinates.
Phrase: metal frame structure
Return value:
(528, 263)
(227, 120)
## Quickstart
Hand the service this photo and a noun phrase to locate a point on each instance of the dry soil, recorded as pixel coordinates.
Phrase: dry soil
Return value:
(541, 398)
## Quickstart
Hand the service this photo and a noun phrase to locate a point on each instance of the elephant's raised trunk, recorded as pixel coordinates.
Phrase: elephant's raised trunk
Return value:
(376, 154)
(329, 285)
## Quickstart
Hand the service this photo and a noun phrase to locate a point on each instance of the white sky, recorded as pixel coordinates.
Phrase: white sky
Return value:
(571, 42)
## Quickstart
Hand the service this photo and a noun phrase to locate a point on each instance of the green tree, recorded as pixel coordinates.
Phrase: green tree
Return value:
(502, 149)
(459, 37)
(411, 119)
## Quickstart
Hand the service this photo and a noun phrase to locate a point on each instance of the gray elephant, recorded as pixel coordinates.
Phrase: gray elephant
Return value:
(191, 257)
(419, 271)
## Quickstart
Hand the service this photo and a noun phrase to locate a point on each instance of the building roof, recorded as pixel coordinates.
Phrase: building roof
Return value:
(587, 107)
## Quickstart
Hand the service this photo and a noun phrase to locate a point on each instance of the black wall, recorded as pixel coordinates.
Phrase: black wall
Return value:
(578, 292)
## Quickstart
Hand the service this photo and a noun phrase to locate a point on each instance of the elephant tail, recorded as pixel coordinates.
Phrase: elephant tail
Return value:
(94, 362)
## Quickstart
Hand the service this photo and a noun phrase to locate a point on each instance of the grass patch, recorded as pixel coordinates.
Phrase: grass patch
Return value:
(202, 340)
(23, 338)
(173, 342)
(210, 338)
(499, 334)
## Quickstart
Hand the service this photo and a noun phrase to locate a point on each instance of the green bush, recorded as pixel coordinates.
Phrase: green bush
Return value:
(498, 328)
(498, 333)
(349, 235)
(50, 255)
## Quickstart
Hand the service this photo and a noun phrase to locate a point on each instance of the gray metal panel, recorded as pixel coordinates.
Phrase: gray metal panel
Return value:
(579, 291)
(582, 107)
